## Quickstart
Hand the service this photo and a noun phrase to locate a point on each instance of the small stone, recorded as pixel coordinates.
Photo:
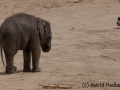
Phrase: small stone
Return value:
(72, 28)
(76, 1)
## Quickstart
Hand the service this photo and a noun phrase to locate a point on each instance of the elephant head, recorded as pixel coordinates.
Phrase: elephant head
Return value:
(45, 35)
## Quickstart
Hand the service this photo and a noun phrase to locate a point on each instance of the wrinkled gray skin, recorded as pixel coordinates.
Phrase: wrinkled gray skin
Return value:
(27, 33)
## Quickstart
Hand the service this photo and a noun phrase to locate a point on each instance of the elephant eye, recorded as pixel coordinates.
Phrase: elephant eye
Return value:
(44, 29)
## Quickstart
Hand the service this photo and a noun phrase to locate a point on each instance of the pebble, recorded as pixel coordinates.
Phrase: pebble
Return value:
(76, 1)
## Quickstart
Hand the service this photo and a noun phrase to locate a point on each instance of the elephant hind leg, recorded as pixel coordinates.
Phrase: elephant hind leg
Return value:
(27, 60)
(10, 46)
(10, 68)
(10, 50)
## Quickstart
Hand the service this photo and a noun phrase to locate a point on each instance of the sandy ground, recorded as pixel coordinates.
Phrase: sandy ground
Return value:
(85, 45)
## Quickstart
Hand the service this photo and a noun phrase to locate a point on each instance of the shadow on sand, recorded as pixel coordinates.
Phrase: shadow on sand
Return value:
(3, 73)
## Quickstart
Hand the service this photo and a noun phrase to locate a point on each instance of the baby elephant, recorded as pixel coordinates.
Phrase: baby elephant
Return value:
(28, 33)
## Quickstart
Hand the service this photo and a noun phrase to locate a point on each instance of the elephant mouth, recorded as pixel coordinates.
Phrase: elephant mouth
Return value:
(46, 48)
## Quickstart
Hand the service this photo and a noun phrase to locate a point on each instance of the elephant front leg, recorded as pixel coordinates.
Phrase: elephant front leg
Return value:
(35, 59)
(27, 60)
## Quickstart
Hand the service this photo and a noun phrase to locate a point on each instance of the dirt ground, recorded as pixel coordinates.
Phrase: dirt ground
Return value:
(85, 45)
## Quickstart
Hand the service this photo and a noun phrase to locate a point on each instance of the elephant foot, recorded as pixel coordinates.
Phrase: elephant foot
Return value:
(36, 70)
(11, 70)
(26, 70)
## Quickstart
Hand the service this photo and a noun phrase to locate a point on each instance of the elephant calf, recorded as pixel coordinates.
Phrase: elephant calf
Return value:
(28, 33)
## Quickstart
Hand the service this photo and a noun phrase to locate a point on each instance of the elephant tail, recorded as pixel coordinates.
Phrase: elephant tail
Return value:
(1, 37)
(2, 56)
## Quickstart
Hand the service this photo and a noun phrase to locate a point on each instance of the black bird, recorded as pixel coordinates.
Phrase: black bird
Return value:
(118, 22)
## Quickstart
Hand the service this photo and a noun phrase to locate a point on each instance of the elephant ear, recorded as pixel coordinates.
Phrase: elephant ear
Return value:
(41, 29)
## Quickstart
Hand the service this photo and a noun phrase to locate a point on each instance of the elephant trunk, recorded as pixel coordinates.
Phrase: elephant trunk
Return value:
(46, 48)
